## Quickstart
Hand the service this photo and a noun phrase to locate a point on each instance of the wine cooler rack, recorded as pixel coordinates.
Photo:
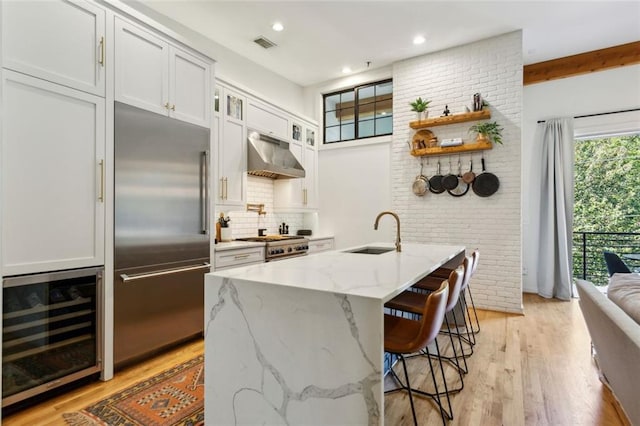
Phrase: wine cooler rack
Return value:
(50, 331)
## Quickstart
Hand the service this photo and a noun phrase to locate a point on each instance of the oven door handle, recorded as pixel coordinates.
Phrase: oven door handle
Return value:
(286, 256)
(128, 278)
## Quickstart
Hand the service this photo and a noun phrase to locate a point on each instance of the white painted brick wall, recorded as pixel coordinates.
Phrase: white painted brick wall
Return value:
(246, 224)
(492, 67)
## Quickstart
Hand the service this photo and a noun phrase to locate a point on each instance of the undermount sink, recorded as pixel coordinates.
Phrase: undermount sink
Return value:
(371, 250)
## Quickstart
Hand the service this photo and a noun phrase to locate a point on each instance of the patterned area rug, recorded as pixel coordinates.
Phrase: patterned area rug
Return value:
(174, 397)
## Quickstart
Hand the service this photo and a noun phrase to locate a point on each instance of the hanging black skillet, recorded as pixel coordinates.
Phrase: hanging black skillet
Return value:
(435, 183)
(450, 181)
(462, 187)
(485, 184)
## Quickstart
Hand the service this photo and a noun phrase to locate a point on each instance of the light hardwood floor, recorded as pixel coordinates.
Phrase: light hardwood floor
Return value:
(532, 369)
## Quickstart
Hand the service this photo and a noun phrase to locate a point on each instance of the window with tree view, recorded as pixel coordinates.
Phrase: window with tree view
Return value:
(606, 203)
(358, 113)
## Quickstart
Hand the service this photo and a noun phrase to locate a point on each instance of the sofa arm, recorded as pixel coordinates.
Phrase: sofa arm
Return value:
(616, 339)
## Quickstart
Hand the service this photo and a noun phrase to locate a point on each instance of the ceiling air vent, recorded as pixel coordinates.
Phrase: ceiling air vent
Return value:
(264, 42)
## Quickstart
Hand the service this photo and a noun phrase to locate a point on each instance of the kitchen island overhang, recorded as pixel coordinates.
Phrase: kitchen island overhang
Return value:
(301, 341)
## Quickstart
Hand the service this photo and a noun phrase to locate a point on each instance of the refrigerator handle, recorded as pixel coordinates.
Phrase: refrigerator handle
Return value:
(204, 192)
(128, 278)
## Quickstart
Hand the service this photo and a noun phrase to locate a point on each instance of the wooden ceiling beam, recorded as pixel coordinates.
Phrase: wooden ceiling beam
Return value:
(583, 63)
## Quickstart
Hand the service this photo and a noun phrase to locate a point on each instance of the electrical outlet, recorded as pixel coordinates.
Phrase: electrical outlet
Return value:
(524, 270)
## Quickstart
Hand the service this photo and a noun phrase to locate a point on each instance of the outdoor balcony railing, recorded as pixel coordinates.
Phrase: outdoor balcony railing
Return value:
(588, 248)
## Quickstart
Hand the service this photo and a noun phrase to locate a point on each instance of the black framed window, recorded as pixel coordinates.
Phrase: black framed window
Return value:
(359, 112)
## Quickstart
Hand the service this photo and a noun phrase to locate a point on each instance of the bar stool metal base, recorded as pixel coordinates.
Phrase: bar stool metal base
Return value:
(435, 396)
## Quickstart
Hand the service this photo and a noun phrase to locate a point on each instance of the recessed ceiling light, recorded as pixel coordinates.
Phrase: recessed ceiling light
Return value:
(418, 39)
(277, 26)
(346, 70)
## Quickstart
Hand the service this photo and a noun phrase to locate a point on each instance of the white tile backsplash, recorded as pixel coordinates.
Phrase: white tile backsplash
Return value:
(246, 224)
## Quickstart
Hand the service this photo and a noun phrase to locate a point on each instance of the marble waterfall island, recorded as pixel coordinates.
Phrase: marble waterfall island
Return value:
(300, 341)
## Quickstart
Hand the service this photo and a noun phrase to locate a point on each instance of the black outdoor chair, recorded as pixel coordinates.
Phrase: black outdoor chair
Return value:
(615, 264)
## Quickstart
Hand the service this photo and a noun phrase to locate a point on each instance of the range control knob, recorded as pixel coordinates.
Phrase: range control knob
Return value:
(289, 249)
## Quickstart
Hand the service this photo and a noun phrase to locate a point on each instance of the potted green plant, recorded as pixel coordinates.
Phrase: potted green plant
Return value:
(420, 106)
(223, 230)
(487, 131)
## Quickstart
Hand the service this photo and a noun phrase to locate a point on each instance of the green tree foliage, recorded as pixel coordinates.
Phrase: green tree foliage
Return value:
(607, 200)
(607, 184)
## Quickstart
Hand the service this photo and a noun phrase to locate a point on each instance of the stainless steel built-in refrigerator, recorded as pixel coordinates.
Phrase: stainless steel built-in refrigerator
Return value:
(161, 232)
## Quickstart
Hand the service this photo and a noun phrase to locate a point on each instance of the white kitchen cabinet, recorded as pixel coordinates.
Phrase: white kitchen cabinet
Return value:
(321, 244)
(233, 258)
(299, 194)
(52, 174)
(189, 87)
(153, 74)
(290, 193)
(232, 149)
(266, 119)
(310, 180)
(57, 40)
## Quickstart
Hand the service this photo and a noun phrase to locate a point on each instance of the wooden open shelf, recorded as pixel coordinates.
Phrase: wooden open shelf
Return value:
(438, 150)
(451, 119)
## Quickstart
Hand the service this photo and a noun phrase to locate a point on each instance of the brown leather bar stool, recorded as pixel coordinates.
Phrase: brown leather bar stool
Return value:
(444, 272)
(404, 336)
(430, 283)
(413, 302)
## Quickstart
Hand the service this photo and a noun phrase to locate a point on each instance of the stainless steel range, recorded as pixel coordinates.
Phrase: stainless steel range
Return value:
(279, 247)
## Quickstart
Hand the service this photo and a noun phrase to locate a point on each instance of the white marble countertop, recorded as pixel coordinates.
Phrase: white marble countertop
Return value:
(379, 276)
(236, 245)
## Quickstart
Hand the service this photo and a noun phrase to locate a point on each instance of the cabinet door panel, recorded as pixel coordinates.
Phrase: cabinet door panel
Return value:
(52, 143)
(289, 193)
(233, 161)
(262, 118)
(310, 166)
(189, 88)
(56, 40)
(142, 68)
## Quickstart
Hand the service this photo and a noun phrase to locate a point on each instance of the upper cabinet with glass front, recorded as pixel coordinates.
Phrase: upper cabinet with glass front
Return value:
(311, 137)
(296, 131)
(359, 113)
(234, 107)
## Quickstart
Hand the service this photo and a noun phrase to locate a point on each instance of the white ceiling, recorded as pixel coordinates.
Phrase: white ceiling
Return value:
(321, 37)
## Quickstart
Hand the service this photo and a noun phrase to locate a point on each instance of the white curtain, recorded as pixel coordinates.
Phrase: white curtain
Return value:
(552, 195)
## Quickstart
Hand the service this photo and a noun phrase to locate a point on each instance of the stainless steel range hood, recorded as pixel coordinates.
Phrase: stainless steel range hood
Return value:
(270, 157)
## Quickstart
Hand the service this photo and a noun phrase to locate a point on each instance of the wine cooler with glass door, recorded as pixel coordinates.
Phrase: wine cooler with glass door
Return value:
(51, 331)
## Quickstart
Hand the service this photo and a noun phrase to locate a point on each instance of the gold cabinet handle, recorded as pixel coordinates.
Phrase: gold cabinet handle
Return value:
(166, 105)
(101, 194)
(101, 61)
(226, 188)
(173, 107)
(241, 256)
